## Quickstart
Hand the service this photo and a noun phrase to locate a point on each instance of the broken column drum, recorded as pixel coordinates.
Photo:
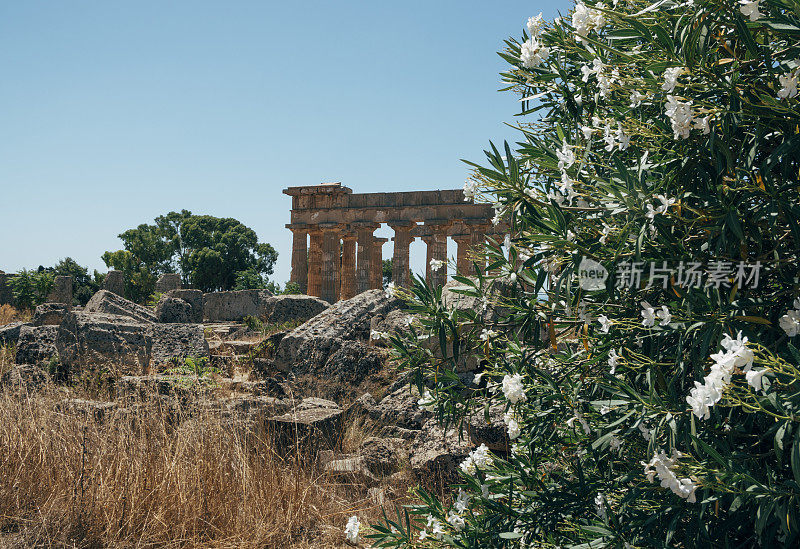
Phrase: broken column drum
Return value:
(336, 255)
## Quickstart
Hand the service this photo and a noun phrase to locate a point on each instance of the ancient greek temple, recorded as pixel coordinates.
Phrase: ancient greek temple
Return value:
(336, 255)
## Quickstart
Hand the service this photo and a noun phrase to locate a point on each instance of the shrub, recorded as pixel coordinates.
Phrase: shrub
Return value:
(31, 288)
(654, 217)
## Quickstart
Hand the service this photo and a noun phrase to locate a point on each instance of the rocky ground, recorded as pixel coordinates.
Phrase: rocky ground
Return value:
(310, 377)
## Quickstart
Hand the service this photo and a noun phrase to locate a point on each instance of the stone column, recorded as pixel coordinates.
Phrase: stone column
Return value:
(478, 237)
(315, 262)
(300, 258)
(366, 243)
(331, 261)
(62, 291)
(400, 258)
(348, 284)
(437, 250)
(463, 262)
(167, 282)
(376, 272)
(115, 282)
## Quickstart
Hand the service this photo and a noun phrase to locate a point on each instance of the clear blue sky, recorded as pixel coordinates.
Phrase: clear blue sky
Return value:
(115, 112)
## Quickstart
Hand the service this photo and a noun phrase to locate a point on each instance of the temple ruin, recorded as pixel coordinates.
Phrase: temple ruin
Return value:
(336, 255)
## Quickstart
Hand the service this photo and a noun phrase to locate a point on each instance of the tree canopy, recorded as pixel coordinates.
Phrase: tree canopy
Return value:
(210, 253)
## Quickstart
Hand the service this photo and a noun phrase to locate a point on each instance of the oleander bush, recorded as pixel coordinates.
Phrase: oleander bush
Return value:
(646, 352)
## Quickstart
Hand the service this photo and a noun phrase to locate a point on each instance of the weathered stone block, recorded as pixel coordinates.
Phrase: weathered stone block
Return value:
(50, 314)
(25, 378)
(9, 333)
(321, 336)
(167, 282)
(174, 310)
(115, 283)
(95, 340)
(179, 341)
(234, 305)
(37, 344)
(313, 426)
(287, 308)
(194, 298)
(107, 302)
(62, 290)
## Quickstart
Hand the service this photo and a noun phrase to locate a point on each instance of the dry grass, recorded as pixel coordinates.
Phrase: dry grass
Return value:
(137, 480)
(9, 314)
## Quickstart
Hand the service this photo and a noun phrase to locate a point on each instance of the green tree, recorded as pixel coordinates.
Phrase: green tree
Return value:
(209, 253)
(386, 270)
(31, 288)
(84, 285)
(658, 146)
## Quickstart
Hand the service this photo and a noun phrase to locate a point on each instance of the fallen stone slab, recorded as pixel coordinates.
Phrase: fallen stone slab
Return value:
(98, 410)
(110, 303)
(50, 314)
(384, 456)
(97, 340)
(9, 333)
(36, 344)
(296, 307)
(24, 378)
(234, 305)
(351, 469)
(195, 300)
(310, 428)
(436, 454)
(176, 341)
(314, 341)
(174, 310)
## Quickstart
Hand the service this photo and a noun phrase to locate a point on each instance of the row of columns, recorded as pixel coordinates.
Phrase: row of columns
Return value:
(336, 261)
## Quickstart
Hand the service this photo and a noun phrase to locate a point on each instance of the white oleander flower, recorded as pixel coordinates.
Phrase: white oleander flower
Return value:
(579, 417)
(788, 85)
(680, 115)
(461, 503)
(532, 53)
(665, 203)
(613, 361)
(587, 132)
(648, 314)
(605, 323)
(351, 530)
(436, 527)
(513, 389)
(637, 98)
(742, 354)
(703, 125)
(427, 402)
(456, 521)
(671, 78)
(486, 335)
(756, 378)
(510, 419)
(663, 466)
(480, 458)
(437, 264)
(584, 19)
(604, 235)
(566, 156)
(645, 432)
(614, 443)
(600, 503)
(705, 395)
(790, 323)
(391, 290)
(750, 9)
(623, 139)
(664, 316)
(604, 409)
(534, 25)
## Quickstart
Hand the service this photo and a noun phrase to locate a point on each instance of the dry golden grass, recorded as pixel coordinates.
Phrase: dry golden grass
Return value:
(135, 480)
(9, 314)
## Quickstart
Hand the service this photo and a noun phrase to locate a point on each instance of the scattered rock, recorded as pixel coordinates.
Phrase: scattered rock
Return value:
(173, 310)
(176, 341)
(94, 340)
(351, 362)
(50, 314)
(384, 456)
(138, 388)
(235, 305)
(312, 403)
(493, 433)
(351, 469)
(62, 290)
(115, 282)
(25, 378)
(309, 428)
(363, 406)
(113, 304)
(313, 342)
(194, 298)
(167, 282)
(436, 454)
(36, 344)
(392, 323)
(286, 308)
(95, 409)
(399, 407)
(9, 333)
